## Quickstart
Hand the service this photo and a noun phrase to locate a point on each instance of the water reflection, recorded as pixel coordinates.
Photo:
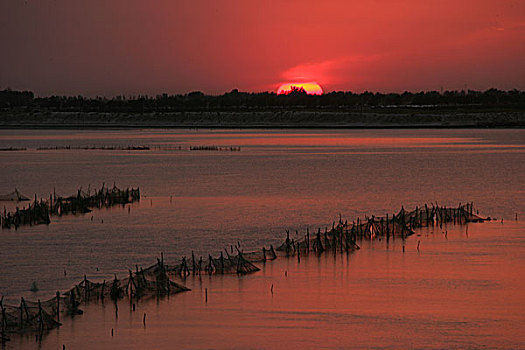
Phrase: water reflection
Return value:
(458, 292)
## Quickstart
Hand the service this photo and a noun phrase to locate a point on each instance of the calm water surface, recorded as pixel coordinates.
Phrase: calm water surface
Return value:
(462, 291)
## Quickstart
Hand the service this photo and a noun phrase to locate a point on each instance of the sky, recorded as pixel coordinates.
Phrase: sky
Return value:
(131, 47)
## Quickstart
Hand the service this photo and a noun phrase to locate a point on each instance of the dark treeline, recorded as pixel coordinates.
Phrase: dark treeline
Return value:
(197, 101)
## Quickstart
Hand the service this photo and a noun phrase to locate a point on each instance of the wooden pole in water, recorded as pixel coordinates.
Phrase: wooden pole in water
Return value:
(341, 233)
(387, 228)
(193, 263)
(40, 319)
(206, 295)
(58, 305)
(85, 287)
(393, 225)
(4, 321)
(21, 311)
(308, 236)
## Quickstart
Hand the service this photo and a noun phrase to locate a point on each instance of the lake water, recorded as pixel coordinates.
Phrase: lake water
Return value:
(461, 291)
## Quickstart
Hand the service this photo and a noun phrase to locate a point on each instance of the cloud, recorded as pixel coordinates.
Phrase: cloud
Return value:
(332, 72)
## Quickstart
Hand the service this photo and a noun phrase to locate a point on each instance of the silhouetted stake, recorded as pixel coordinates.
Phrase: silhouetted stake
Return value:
(40, 319)
(210, 267)
(58, 306)
(271, 289)
(288, 243)
(22, 309)
(193, 262)
(85, 288)
(221, 259)
(133, 307)
(418, 243)
(308, 237)
(206, 295)
(111, 331)
(144, 320)
(393, 226)
(4, 321)
(116, 309)
(403, 248)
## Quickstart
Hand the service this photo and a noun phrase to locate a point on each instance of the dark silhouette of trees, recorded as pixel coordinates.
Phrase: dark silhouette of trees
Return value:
(297, 98)
(296, 90)
(10, 98)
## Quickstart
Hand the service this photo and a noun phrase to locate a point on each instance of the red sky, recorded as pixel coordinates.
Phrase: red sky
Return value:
(112, 47)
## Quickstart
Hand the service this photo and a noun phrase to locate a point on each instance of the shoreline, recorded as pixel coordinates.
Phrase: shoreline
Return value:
(266, 119)
(251, 127)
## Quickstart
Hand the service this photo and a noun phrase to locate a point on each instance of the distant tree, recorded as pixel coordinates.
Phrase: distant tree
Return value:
(12, 98)
(296, 90)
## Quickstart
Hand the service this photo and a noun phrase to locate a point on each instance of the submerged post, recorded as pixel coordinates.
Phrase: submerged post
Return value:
(58, 306)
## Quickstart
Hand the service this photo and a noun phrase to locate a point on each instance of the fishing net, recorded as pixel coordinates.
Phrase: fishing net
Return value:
(157, 280)
(40, 211)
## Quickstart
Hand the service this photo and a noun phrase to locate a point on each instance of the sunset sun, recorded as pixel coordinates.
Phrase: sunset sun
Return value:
(311, 88)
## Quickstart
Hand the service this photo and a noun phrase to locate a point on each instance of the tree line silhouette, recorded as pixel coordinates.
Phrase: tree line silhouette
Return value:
(236, 100)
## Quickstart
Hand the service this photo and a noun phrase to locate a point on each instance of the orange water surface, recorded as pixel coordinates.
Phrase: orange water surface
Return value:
(462, 290)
